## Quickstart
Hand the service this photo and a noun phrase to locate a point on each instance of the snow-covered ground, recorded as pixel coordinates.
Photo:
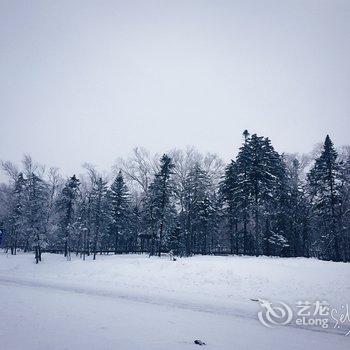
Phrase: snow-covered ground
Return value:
(135, 302)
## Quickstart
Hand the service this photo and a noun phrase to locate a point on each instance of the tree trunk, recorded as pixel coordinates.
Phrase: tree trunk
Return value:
(116, 241)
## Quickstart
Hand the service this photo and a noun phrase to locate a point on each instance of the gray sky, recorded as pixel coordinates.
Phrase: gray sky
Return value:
(90, 80)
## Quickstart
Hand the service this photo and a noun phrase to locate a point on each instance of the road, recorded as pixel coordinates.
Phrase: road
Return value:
(40, 317)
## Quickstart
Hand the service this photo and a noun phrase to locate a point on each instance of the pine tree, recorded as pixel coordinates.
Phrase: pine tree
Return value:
(175, 240)
(197, 207)
(100, 212)
(158, 203)
(120, 205)
(297, 211)
(228, 188)
(324, 181)
(135, 225)
(17, 212)
(259, 177)
(37, 197)
(67, 206)
(345, 208)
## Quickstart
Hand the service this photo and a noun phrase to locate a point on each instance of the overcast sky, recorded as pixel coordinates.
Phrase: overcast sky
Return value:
(90, 80)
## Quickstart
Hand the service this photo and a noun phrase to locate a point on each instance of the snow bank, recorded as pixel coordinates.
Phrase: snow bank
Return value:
(208, 281)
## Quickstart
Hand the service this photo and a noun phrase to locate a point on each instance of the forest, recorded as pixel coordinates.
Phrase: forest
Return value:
(184, 203)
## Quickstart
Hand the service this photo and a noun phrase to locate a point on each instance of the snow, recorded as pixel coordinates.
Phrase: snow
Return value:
(135, 302)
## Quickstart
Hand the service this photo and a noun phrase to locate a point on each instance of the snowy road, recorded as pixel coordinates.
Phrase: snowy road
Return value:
(131, 302)
(39, 317)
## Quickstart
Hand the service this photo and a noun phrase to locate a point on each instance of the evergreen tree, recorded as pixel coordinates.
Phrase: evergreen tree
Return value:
(228, 192)
(345, 208)
(100, 212)
(36, 206)
(136, 226)
(175, 240)
(197, 209)
(297, 211)
(17, 223)
(260, 174)
(158, 203)
(67, 206)
(324, 181)
(120, 206)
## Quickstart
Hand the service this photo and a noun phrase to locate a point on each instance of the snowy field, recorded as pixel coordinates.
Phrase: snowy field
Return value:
(135, 302)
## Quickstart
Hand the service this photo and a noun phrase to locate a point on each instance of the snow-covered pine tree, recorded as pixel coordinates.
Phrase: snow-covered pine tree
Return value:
(120, 207)
(16, 215)
(36, 207)
(135, 226)
(297, 211)
(260, 173)
(175, 240)
(100, 212)
(198, 210)
(67, 205)
(228, 188)
(345, 208)
(324, 183)
(158, 201)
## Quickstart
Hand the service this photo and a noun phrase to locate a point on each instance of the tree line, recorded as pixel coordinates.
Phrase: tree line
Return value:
(185, 203)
